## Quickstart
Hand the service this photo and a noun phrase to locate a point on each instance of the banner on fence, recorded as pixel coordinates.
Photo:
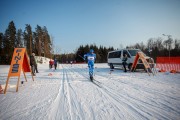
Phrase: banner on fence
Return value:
(168, 64)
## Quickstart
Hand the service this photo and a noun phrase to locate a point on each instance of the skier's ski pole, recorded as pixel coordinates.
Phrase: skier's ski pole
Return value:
(94, 70)
(81, 57)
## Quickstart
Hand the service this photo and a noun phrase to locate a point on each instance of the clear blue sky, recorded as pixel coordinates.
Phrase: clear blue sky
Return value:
(104, 22)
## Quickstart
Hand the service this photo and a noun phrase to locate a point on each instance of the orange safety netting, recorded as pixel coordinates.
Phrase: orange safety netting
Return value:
(168, 63)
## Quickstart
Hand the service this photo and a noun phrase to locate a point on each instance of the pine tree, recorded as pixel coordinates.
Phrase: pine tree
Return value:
(35, 47)
(1, 43)
(28, 39)
(2, 55)
(19, 38)
(39, 35)
(46, 43)
(9, 41)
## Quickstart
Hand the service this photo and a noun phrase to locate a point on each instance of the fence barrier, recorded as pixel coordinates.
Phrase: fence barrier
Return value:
(168, 63)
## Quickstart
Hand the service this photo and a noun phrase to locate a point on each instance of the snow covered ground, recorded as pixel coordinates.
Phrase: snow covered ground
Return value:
(68, 94)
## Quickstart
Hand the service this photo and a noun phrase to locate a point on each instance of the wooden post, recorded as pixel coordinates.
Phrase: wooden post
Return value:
(24, 75)
(7, 81)
(17, 86)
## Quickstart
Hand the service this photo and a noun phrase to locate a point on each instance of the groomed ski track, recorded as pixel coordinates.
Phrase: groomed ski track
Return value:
(70, 95)
(121, 105)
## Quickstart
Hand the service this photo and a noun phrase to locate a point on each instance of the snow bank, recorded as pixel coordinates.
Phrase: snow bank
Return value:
(42, 60)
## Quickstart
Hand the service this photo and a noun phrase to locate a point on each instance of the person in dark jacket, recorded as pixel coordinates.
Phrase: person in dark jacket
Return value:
(35, 65)
(124, 62)
(55, 63)
(32, 63)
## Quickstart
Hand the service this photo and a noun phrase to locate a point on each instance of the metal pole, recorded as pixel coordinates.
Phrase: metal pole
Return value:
(169, 45)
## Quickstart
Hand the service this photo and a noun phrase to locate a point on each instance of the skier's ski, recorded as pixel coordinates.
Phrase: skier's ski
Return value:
(91, 78)
(95, 82)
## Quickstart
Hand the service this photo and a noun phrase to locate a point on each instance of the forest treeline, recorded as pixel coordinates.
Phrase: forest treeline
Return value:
(155, 47)
(40, 42)
(101, 54)
(37, 41)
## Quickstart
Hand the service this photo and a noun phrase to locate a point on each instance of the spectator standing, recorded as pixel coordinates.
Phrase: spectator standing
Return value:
(32, 64)
(55, 63)
(35, 65)
(124, 62)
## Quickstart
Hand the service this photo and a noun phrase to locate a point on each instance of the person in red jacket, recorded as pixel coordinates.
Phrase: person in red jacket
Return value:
(51, 63)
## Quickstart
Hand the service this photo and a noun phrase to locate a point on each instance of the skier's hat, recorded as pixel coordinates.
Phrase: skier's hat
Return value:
(91, 50)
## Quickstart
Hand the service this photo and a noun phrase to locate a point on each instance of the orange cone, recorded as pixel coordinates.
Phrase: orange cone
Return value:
(1, 90)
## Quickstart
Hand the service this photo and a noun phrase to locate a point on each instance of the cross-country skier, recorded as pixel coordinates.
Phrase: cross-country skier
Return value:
(91, 56)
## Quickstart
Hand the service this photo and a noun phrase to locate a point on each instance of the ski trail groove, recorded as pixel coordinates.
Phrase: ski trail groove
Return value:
(56, 105)
(77, 112)
(138, 104)
(110, 98)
